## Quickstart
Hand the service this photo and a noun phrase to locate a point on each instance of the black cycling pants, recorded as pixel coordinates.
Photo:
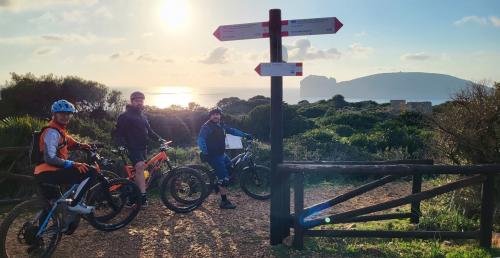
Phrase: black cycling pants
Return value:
(63, 177)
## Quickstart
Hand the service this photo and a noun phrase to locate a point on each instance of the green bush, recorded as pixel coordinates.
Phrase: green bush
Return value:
(16, 131)
(356, 120)
(312, 111)
(344, 130)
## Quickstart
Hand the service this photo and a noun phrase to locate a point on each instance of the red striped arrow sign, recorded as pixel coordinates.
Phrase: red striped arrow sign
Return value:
(242, 31)
(279, 69)
(288, 28)
(310, 26)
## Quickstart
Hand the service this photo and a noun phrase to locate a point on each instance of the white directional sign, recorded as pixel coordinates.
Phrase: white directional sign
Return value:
(310, 26)
(242, 31)
(279, 69)
(288, 28)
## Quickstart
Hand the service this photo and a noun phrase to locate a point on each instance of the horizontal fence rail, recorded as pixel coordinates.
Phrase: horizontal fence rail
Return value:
(388, 171)
(402, 169)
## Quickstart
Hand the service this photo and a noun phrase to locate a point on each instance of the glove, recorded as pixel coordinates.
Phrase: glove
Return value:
(82, 167)
(203, 157)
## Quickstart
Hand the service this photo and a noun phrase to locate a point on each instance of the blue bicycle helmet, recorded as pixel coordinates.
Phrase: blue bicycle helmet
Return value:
(63, 106)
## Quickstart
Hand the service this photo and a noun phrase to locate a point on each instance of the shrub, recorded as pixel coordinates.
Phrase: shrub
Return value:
(344, 130)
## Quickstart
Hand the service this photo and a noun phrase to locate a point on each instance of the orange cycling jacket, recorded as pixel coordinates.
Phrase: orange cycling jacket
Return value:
(66, 143)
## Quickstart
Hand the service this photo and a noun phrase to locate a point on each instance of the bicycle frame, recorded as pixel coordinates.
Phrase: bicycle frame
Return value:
(154, 163)
(63, 198)
(245, 156)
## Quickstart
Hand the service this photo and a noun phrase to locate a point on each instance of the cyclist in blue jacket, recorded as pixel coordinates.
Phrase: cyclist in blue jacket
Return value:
(211, 142)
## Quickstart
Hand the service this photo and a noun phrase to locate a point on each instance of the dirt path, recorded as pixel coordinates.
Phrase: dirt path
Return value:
(206, 232)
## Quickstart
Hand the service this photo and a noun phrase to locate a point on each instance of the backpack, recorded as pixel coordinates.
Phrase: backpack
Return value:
(36, 155)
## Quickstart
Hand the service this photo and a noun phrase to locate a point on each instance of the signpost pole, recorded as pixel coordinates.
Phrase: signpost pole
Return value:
(279, 199)
(275, 28)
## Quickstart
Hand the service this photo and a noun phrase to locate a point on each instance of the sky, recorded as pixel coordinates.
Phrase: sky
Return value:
(139, 43)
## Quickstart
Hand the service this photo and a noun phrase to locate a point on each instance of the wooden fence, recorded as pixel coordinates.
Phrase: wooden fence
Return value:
(12, 172)
(388, 172)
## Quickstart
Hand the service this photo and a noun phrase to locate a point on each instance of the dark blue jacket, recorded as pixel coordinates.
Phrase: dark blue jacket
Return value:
(211, 139)
(133, 129)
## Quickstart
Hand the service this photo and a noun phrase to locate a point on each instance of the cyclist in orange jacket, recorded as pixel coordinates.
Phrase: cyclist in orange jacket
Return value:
(55, 167)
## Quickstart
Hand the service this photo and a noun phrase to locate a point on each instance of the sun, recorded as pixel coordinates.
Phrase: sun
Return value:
(175, 14)
(180, 96)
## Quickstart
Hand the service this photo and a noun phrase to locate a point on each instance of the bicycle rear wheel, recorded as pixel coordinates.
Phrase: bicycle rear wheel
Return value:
(19, 229)
(255, 182)
(110, 212)
(183, 190)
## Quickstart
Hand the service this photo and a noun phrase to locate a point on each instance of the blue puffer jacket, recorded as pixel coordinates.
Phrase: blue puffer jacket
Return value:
(211, 139)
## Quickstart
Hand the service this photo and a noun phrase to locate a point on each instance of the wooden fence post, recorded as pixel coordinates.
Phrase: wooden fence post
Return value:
(415, 206)
(298, 221)
(487, 209)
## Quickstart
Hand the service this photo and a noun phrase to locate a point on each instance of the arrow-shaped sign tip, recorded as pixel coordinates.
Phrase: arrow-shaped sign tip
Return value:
(337, 25)
(257, 69)
(217, 33)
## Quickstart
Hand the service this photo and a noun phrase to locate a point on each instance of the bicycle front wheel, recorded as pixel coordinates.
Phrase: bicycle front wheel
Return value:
(255, 182)
(18, 231)
(116, 204)
(183, 190)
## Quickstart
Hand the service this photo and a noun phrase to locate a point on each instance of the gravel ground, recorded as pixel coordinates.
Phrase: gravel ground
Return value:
(207, 231)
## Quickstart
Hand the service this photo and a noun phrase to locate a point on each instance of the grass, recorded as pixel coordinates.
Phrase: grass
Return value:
(376, 247)
(438, 214)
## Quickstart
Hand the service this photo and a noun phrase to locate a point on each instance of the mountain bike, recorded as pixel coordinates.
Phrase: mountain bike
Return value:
(254, 179)
(34, 227)
(173, 182)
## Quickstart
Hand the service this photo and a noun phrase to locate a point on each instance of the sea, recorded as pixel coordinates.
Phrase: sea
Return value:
(166, 96)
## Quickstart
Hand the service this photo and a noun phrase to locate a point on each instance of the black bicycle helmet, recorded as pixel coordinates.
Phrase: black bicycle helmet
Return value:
(215, 110)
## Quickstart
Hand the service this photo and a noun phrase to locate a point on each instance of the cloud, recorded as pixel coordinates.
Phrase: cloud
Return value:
(359, 51)
(73, 38)
(421, 56)
(360, 34)
(302, 50)
(75, 16)
(147, 34)
(103, 12)
(43, 51)
(495, 21)
(21, 5)
(114, 56)
(47, 17)
(217, 56)
(147, 58)
(471, 19)
(138, 56)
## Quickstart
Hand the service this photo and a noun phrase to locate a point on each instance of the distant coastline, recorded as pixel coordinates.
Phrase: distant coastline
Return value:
(209, 97)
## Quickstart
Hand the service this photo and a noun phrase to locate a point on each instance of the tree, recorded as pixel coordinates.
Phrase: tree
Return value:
(469, 126)
(28, 94)
(293, 123)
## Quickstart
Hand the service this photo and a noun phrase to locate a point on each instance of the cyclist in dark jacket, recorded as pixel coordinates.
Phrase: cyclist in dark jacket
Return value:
(211, 142)
(132, 131)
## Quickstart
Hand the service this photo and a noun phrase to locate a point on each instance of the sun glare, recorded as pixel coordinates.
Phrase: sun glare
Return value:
(175, 14)
(168, 96)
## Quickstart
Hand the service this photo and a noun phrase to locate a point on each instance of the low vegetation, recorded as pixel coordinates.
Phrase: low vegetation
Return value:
(465, 130)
